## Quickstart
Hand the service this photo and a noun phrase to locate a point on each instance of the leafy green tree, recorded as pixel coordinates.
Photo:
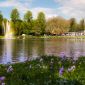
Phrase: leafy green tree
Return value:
(73, 25)
(17, 27)
(35, 28)
(16, 22)
(41, 22)
(28, 16)
(1, 27)
(81, 25)
(14, 15)
(1, 17)
(28, 22)
(23, 27)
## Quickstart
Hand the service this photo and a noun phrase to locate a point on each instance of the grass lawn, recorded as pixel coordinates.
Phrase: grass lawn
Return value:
(66, 37)
(1, 37)
(47, 70)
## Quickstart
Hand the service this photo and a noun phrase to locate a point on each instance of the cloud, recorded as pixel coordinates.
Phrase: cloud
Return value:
(66, 8)
(21, 5)
(24, 5)
(49, 12)
(72, 8)
(6, 4)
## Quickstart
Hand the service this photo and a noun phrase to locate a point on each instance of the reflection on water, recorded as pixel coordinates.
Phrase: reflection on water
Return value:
(16, 50)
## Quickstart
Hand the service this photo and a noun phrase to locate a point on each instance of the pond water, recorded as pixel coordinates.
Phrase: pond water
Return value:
(18, 50)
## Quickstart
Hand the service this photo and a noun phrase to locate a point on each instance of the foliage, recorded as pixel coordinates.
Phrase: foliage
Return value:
(14, 15)
(73, 25)
(81, 25)
(45, 71)
(41, 26)
(27, 22)
(57, 25)
(41, 22)
(1, 26)
(28, 16)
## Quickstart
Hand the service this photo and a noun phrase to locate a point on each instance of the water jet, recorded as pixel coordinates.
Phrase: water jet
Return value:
(8, 31)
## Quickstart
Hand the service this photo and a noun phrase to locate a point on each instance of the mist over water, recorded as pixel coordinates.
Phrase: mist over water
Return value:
(18, 50)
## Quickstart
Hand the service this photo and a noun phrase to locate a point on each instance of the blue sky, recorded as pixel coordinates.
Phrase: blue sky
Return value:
(52, 8)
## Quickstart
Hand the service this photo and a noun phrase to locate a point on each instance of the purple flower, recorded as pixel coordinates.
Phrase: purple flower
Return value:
(61, 71)
(2, 78)
(62, 55)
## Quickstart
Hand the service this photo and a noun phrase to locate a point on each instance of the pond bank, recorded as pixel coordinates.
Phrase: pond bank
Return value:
(47, 70)
(29, 36)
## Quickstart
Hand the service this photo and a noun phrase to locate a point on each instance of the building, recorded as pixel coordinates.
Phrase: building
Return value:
(81, 33)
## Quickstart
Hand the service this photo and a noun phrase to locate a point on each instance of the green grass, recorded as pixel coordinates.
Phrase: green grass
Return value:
(42, 72)
(1, 37)
(66, 37)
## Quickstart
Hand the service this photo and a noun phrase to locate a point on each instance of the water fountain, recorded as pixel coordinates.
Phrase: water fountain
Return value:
(8, 32)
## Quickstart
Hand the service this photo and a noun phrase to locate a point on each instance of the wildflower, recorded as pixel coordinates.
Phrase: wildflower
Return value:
(8, 64)
(2, 78)
(62, 55)
(41, 60)
(30, 66)
(44, 67)
(10, 69)
(71, 69)
(61, 71)
(3, 84)
(51, 65)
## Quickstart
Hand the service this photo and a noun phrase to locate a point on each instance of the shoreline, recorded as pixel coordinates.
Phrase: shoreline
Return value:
(29, 36)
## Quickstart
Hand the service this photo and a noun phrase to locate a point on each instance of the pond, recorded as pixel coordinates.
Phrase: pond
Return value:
(18, 50)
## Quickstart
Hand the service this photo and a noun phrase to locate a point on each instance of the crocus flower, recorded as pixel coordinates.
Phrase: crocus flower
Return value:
(2, 78)
(8, 63)
(30, 66)
(71, 68)
(41, 60)
(61, 71)
(62, 55)
(10, 69)
(2, 83)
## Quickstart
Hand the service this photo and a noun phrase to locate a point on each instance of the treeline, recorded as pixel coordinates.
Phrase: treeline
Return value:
(40, 26)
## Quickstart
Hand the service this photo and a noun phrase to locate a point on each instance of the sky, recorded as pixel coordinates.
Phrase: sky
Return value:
(51, 8)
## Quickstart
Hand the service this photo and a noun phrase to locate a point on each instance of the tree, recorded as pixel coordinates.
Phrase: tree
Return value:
(57, 25)
(16, 22)
(81, 25)
(1, 27)
(1, 17)
(35, 28)
(28, 22)
(28, 16)
(73, 25)
(14, 15)
(41, 22)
